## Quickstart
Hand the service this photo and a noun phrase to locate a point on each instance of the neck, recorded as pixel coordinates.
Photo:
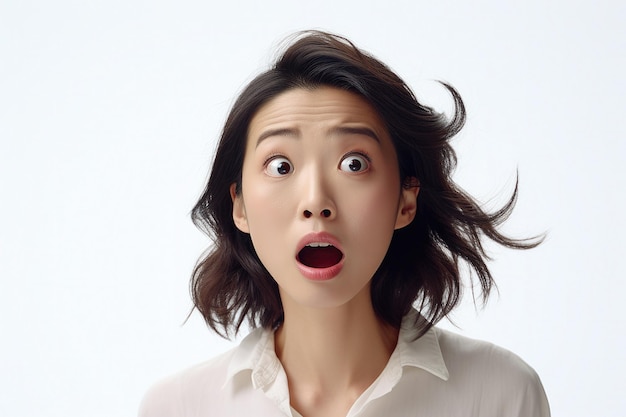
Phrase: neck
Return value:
(332, 352)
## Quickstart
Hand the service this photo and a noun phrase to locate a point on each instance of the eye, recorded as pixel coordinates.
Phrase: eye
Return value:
(278, 166)
(354, 163)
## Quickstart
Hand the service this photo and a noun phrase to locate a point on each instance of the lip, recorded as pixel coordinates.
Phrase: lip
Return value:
(319, 274)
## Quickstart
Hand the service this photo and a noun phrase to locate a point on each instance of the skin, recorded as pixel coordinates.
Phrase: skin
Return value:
(318, 161)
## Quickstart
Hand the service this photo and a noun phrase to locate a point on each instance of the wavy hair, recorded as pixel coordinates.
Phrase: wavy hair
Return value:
(230, 285)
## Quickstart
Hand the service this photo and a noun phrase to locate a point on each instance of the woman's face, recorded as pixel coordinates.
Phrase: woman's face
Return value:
(321, 194)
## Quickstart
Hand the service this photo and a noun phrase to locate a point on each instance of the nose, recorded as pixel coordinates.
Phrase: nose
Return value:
(317, 201)
(324, 213)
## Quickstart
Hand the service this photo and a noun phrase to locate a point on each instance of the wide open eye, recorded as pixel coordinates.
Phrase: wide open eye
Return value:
(354, 163)
(278, 167)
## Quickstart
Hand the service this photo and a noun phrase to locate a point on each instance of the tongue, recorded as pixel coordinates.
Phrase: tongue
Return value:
(320, 257)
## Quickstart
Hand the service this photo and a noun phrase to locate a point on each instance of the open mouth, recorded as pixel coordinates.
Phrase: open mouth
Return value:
(320, 255)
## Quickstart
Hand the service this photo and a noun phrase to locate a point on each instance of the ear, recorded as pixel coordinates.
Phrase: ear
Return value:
(239, 210)
(408, 202)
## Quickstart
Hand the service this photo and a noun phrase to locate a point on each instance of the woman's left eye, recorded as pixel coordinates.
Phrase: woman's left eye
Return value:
(354, 163)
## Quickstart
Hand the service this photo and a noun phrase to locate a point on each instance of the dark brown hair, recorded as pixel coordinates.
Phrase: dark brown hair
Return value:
(230, 284)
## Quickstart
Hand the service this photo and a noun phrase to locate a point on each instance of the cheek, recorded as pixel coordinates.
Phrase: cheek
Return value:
(267, 217)
(381, 197)
(373, 214)
(266, 204)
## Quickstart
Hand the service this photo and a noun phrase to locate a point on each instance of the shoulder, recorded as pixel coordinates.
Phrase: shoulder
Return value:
(463, 354)
(494, 374)
(175, 394)
(220, 386)
(457, 348)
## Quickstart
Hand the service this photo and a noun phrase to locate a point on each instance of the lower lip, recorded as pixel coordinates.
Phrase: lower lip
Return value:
(320, 274)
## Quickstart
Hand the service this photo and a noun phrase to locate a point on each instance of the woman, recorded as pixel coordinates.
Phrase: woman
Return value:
(338, 235)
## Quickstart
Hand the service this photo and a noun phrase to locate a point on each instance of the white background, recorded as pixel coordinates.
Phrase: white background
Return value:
(109, 112)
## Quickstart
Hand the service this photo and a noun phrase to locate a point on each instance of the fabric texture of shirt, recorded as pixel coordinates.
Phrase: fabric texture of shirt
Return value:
(439, 374)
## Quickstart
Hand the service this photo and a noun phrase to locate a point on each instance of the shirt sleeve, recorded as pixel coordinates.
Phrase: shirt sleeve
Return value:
(517, 387)
(162, 400)
(489, 381)
(533, 402)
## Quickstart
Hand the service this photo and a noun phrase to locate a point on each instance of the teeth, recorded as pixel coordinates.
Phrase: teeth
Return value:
(319, 244)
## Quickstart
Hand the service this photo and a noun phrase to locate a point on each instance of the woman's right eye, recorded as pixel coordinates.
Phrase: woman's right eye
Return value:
(278, 167)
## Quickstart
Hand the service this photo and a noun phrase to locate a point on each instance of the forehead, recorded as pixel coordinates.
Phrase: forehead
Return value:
(318, 108)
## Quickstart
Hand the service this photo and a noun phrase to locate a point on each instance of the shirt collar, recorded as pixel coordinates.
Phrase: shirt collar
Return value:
(256, 354)
(423, 352)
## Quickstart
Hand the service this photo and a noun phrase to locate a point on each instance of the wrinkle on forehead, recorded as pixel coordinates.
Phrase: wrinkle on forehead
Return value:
(334, 111)
(336, 131)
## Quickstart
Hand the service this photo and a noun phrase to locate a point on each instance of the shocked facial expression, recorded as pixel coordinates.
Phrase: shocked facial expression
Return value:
(321, 194)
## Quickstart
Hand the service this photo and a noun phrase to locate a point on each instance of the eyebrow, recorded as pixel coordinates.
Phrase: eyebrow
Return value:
(277, 132)
(342, 130)
(364, 131)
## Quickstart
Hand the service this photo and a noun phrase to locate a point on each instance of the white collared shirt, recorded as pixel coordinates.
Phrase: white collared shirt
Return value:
(439, 374)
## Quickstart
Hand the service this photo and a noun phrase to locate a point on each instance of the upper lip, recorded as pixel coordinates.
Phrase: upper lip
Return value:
(318, 237)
